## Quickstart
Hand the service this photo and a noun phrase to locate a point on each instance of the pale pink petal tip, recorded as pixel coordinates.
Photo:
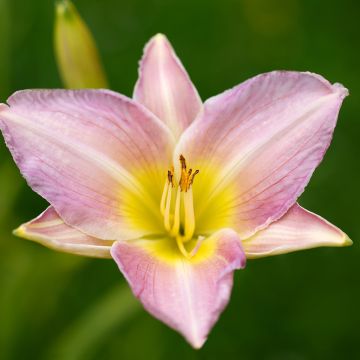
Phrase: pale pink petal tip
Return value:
(187, 295)
(343, 91)
(336, 87)
(164, 86)
(347, 241)
(159, 37)
(298, 229)
(49, 230)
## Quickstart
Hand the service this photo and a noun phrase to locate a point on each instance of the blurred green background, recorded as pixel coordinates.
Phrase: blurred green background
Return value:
(298, 306)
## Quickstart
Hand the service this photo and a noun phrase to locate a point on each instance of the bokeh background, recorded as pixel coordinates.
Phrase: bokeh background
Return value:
(298, 306)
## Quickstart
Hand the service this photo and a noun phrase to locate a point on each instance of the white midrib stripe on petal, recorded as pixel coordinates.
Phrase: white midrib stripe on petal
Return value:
(169, 107)
(185, 276)
(46, 224)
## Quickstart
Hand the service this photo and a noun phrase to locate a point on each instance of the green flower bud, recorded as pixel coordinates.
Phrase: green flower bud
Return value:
(75, 50)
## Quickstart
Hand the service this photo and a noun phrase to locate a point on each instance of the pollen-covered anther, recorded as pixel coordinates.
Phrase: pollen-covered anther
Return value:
(192, 177)
(171, 177)
(187, 176)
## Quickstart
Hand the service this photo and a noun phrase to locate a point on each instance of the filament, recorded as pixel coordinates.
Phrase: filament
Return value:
(189, 215)
(167, 209)
(163, 198)
(176, 226)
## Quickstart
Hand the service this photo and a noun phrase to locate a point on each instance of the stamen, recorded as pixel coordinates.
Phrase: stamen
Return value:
(186, 177)
(168, 182)
(179, 218)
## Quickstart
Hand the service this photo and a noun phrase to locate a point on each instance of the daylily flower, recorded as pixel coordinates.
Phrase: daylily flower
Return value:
(179, 193)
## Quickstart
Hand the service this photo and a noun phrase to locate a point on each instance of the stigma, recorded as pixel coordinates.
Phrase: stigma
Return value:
(177, 205)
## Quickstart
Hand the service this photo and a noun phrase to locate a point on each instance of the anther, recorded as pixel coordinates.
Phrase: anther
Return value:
(186, 177)
(170, 177)
(192, 177)
(183, 162)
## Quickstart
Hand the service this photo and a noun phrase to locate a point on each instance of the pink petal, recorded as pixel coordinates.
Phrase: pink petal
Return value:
(260, 142)
(186, 294)
(50, 230)
(298, 229)
(89, 152)
(165, 88)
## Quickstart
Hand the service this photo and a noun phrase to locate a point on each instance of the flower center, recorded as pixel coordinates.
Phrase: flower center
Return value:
(177, 205)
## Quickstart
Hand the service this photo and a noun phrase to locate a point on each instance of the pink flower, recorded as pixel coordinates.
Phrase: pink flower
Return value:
(179, 193)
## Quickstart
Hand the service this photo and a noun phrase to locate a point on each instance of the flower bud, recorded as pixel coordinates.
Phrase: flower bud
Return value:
(75, 50)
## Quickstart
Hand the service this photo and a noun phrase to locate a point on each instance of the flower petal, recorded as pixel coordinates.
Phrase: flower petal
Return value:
(165, 88)
(50, 230)
(186, 294)
(90, 153)
(298, 229)
(260, 143)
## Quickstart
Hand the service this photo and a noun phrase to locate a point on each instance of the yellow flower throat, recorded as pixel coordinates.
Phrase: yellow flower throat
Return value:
(177, 205)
